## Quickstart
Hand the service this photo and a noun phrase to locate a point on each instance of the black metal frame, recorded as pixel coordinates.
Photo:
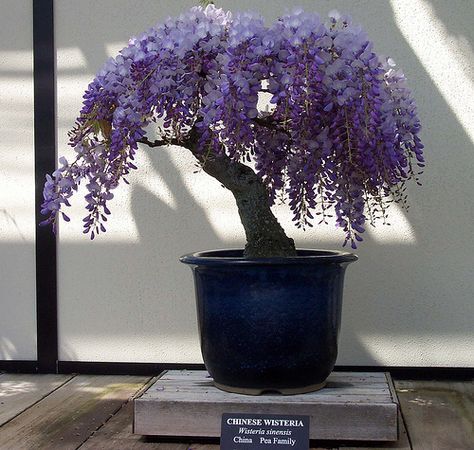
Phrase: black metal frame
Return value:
(18, 366)
(44, 57)
(46, 274)
(132, 368)
(122, 368)
(114, 368)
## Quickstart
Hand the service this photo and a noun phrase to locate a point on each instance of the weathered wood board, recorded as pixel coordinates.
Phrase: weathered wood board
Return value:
(403, 442)
(353, 406)
(116, 433)
(438, 414)
(20, 391)
(69, 415)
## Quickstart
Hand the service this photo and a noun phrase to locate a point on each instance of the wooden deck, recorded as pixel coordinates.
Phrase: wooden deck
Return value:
(95, 412)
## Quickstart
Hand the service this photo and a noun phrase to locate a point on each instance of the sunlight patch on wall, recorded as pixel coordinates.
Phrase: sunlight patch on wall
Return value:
(418, 349)
(136, 348)
(70, 58)
(16, 60)
(400, 231)
(440, 54)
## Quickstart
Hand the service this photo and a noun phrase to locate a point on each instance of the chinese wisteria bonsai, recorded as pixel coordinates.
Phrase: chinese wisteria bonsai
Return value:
(339, 137)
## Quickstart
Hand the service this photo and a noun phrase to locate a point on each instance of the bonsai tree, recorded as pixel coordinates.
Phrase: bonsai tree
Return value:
(339, 137)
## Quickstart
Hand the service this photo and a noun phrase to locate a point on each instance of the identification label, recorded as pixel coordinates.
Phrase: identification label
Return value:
(264, 431)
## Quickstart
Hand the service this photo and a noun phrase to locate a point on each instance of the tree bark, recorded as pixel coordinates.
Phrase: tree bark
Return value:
(265, 236)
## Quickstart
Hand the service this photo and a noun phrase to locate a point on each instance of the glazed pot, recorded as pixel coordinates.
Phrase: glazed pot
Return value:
(269, 324)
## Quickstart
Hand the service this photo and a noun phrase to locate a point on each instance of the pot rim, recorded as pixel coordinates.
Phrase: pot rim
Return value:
(305, 256)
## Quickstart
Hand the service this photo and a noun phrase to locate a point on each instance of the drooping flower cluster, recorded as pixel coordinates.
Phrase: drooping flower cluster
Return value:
(340, 136)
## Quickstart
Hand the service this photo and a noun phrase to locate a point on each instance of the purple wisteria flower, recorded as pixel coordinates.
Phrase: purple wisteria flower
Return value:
(340, 138)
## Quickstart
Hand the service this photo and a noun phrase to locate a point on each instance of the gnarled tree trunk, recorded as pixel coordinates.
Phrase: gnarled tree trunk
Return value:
(265, 236)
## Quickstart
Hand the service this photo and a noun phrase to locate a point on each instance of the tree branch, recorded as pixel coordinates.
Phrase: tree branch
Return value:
(189, 141)
(160, 142)
(271, 125)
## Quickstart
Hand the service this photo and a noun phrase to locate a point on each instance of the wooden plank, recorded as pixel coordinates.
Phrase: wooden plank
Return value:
(192, 406)
(328, 394)
(216, 398)
(67, 417)
(403, 442)
(346, 387)
(117, 434)
(20, 391)
(391, 386)
(353, 377)
(438, 414)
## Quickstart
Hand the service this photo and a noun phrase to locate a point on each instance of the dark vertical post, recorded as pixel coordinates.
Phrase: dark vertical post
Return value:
(45, 162)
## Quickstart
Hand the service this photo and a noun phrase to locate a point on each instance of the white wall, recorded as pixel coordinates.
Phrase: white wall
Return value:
(17, 184)
(408, 301)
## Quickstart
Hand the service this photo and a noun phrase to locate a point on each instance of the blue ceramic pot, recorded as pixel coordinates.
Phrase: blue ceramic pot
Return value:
(269, 324)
